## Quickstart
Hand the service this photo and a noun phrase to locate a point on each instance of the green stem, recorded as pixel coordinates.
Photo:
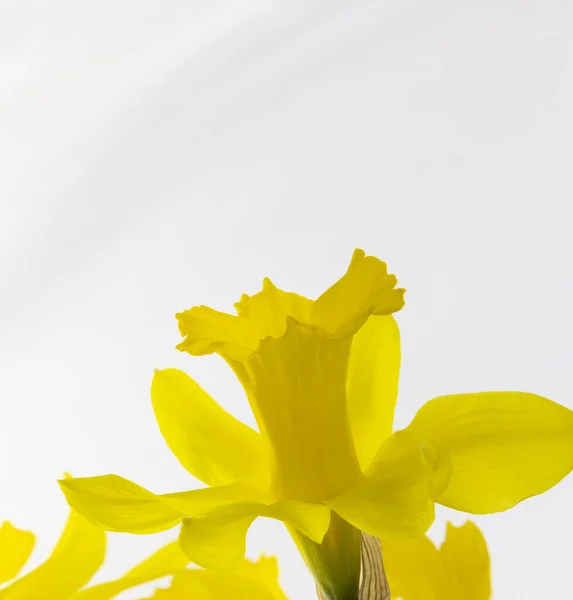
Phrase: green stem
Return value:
(335, 564)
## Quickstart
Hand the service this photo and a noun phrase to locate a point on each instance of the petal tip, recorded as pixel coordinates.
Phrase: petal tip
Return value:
(357, 256)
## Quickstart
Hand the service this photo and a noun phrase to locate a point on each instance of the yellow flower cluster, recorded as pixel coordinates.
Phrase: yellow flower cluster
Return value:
(416, 569)
(321, 378)
(80, 553)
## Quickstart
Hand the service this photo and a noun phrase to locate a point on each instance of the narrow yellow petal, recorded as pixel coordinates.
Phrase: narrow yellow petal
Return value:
(217, 541)
(210, 443)
(503, 446)
(465, 558)
(396, 498)
(15, 549)
(117, 504)
(373, 372)
(77, 556)
(365, 289)
(414, 569)
(310, 519)
(166, 561)
(203, 501)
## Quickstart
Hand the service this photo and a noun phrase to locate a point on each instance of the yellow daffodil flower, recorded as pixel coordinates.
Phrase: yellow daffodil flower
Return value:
(78, 555)
(250, 581)
(418, 570)
(321, 378)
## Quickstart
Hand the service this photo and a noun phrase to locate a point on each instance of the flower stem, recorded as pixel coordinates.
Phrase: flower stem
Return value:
(347, 565)
(373, 582)
(334, 564)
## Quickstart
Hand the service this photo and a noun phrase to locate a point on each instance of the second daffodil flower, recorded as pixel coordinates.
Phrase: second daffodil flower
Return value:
(459, 569)
(77, 557)
(321, 378)
(251, 580)
(80, 553)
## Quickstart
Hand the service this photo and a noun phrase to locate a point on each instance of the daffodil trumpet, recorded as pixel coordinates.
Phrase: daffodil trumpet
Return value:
(321, 378)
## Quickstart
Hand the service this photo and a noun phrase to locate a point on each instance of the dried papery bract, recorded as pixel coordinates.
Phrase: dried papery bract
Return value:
(373, 582)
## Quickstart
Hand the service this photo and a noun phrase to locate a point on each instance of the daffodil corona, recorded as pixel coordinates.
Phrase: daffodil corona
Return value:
(321, 378)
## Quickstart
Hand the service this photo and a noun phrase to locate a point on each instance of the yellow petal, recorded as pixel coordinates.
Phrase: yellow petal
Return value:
(210, 443)
(205, 500)
(15, 549)
(373, 373)
(396, 499)
(414, 570)
(503, 446)
(365, 289)
(214, 585)
(161, 563)
(265, 571)
(466, 562)
(310, 519)
(217, 541)
(166, 561)
(117, 504)
(77, 556)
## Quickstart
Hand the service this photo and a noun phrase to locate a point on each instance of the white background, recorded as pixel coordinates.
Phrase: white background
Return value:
(160, 154)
